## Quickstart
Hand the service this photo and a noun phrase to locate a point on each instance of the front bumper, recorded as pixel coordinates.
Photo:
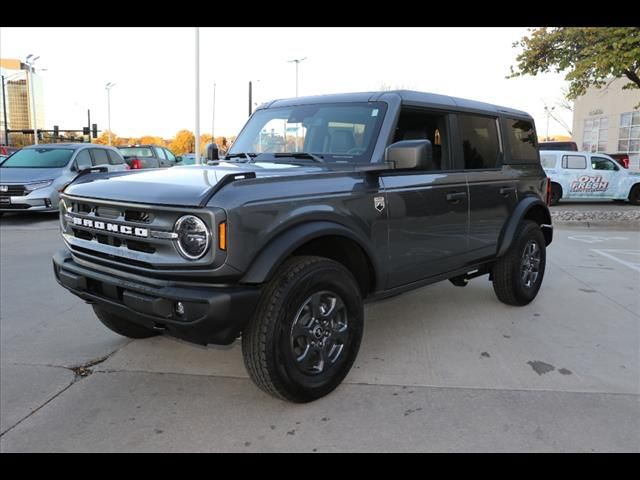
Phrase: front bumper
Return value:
(41, 200)
(212, 314)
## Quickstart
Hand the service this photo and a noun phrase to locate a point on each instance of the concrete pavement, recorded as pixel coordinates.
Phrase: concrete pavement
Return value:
(440, 369)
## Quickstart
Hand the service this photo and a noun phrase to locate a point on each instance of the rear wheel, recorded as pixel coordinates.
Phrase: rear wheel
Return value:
(306, 331)
(556, 193)
(121, 325)
(634, 195)
(517, 275)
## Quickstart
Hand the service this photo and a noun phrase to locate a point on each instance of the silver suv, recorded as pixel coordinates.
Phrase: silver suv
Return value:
(31, 179)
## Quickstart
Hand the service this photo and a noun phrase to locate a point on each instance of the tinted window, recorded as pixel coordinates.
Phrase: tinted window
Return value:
(480, 141)
(417, 124)
(38, 158)
(114, 158)
(100, 157)
(83, 160)
(599, 163)
(522, 141)
(161, 154)
(136, 152)
(170, 155)
(574, 162)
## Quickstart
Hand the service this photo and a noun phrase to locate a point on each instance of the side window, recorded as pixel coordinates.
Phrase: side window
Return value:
(574, 162)
(480, 141)
(83, 160)
(99, 156)
(160, 153)
(115, 158)
(548, 161)
(170, 156)
(599, 163)
(417, 124)
(522, 141)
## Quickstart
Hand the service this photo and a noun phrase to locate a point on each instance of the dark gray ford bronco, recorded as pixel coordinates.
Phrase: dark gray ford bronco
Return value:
(321, 204)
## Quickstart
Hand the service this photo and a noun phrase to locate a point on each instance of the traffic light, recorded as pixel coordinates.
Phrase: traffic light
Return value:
(85, 130)
(56, 130)
(94, 133)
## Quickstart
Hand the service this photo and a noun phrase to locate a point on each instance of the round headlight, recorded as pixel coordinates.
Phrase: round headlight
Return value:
(193, 237)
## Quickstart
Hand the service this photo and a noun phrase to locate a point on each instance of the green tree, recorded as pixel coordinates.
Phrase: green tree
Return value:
(592, 55)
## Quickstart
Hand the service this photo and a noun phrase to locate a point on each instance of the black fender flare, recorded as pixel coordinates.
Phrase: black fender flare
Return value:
(279, 248)
(520, 212)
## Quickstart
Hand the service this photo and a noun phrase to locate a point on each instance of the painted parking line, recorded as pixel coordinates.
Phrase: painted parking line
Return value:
(594, 238)
(614, 255)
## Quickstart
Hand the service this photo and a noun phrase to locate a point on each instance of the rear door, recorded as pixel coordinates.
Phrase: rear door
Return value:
(492, 186)
(574, 176)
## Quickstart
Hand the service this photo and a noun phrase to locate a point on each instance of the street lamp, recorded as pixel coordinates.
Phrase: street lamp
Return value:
(197, 62)
(297, 62)
(213, 118)
(108, 87)
(30, 61)
(548, 111)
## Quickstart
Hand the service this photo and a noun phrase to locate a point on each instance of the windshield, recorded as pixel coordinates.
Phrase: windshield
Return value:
(38, 158)
(136, 152)
(342, 132)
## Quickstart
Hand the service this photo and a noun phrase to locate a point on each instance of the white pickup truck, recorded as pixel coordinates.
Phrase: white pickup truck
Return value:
(589, 175)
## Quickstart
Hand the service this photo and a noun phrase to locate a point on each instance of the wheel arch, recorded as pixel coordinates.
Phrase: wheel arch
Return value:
(530, 208)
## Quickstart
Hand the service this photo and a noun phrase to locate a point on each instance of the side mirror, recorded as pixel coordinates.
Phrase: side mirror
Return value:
(212, 151)
(178, 159)
(74, 166)
(410, 154)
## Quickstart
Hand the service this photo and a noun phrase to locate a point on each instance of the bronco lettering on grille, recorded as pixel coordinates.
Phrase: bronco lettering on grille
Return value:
(111, 227)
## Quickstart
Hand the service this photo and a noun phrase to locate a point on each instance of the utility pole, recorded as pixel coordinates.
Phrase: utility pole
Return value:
(250, 92)
(297, 62)
(30, 61)
(197, 139)
(108, 88)
(4, 105)
(548, 110)
(89, 123)
(213, 118)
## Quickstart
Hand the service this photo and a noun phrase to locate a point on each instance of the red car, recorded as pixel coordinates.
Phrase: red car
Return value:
(621, 158)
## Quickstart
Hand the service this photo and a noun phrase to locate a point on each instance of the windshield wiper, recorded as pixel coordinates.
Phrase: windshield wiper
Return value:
(310, 156)
(248, 156)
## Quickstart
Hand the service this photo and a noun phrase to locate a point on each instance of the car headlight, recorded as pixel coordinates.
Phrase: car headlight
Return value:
(36, 185)
(193, 237)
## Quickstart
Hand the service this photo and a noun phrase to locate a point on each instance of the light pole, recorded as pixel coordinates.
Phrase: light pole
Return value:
(548, 110)
(213, 118)
(197, 139)
(297, 62)
(108, 87)
(30, 61)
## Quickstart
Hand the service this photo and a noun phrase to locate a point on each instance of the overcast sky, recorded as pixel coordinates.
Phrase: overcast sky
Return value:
(154, 71)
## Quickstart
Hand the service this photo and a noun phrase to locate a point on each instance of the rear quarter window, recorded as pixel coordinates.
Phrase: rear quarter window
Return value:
(574, 162)
(548, 161)
(521, 136)
(115, 158)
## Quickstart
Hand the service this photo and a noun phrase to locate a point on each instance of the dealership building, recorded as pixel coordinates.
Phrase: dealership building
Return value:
(607, 120)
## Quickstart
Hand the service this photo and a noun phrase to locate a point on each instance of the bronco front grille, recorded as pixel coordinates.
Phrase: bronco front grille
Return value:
(131, 234)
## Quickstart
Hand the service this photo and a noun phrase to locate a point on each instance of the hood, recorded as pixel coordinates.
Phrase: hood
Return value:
(186, 186)
(28, 175)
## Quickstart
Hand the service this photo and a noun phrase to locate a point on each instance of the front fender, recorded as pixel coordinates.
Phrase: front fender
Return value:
(269, 259)
(529, 207)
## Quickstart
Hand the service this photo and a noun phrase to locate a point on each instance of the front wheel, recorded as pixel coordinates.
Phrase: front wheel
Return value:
(306, 331)
(517, 275)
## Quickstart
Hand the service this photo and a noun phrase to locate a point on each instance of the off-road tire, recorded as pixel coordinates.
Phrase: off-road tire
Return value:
(267, 341)
(508, 282)
(121, 325)
(556, 194)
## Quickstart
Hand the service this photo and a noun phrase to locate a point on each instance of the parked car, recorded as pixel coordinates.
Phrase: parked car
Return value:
(383, 192)
(32, 178)
(190, 159)
(568, 146)
(148, 156)
(621, 158)
(589, 175)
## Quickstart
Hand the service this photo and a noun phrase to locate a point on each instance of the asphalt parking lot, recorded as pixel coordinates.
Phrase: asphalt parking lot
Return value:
(440, 369)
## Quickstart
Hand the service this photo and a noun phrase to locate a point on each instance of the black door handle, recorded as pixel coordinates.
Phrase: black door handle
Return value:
(456, 196)
(507, 190)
